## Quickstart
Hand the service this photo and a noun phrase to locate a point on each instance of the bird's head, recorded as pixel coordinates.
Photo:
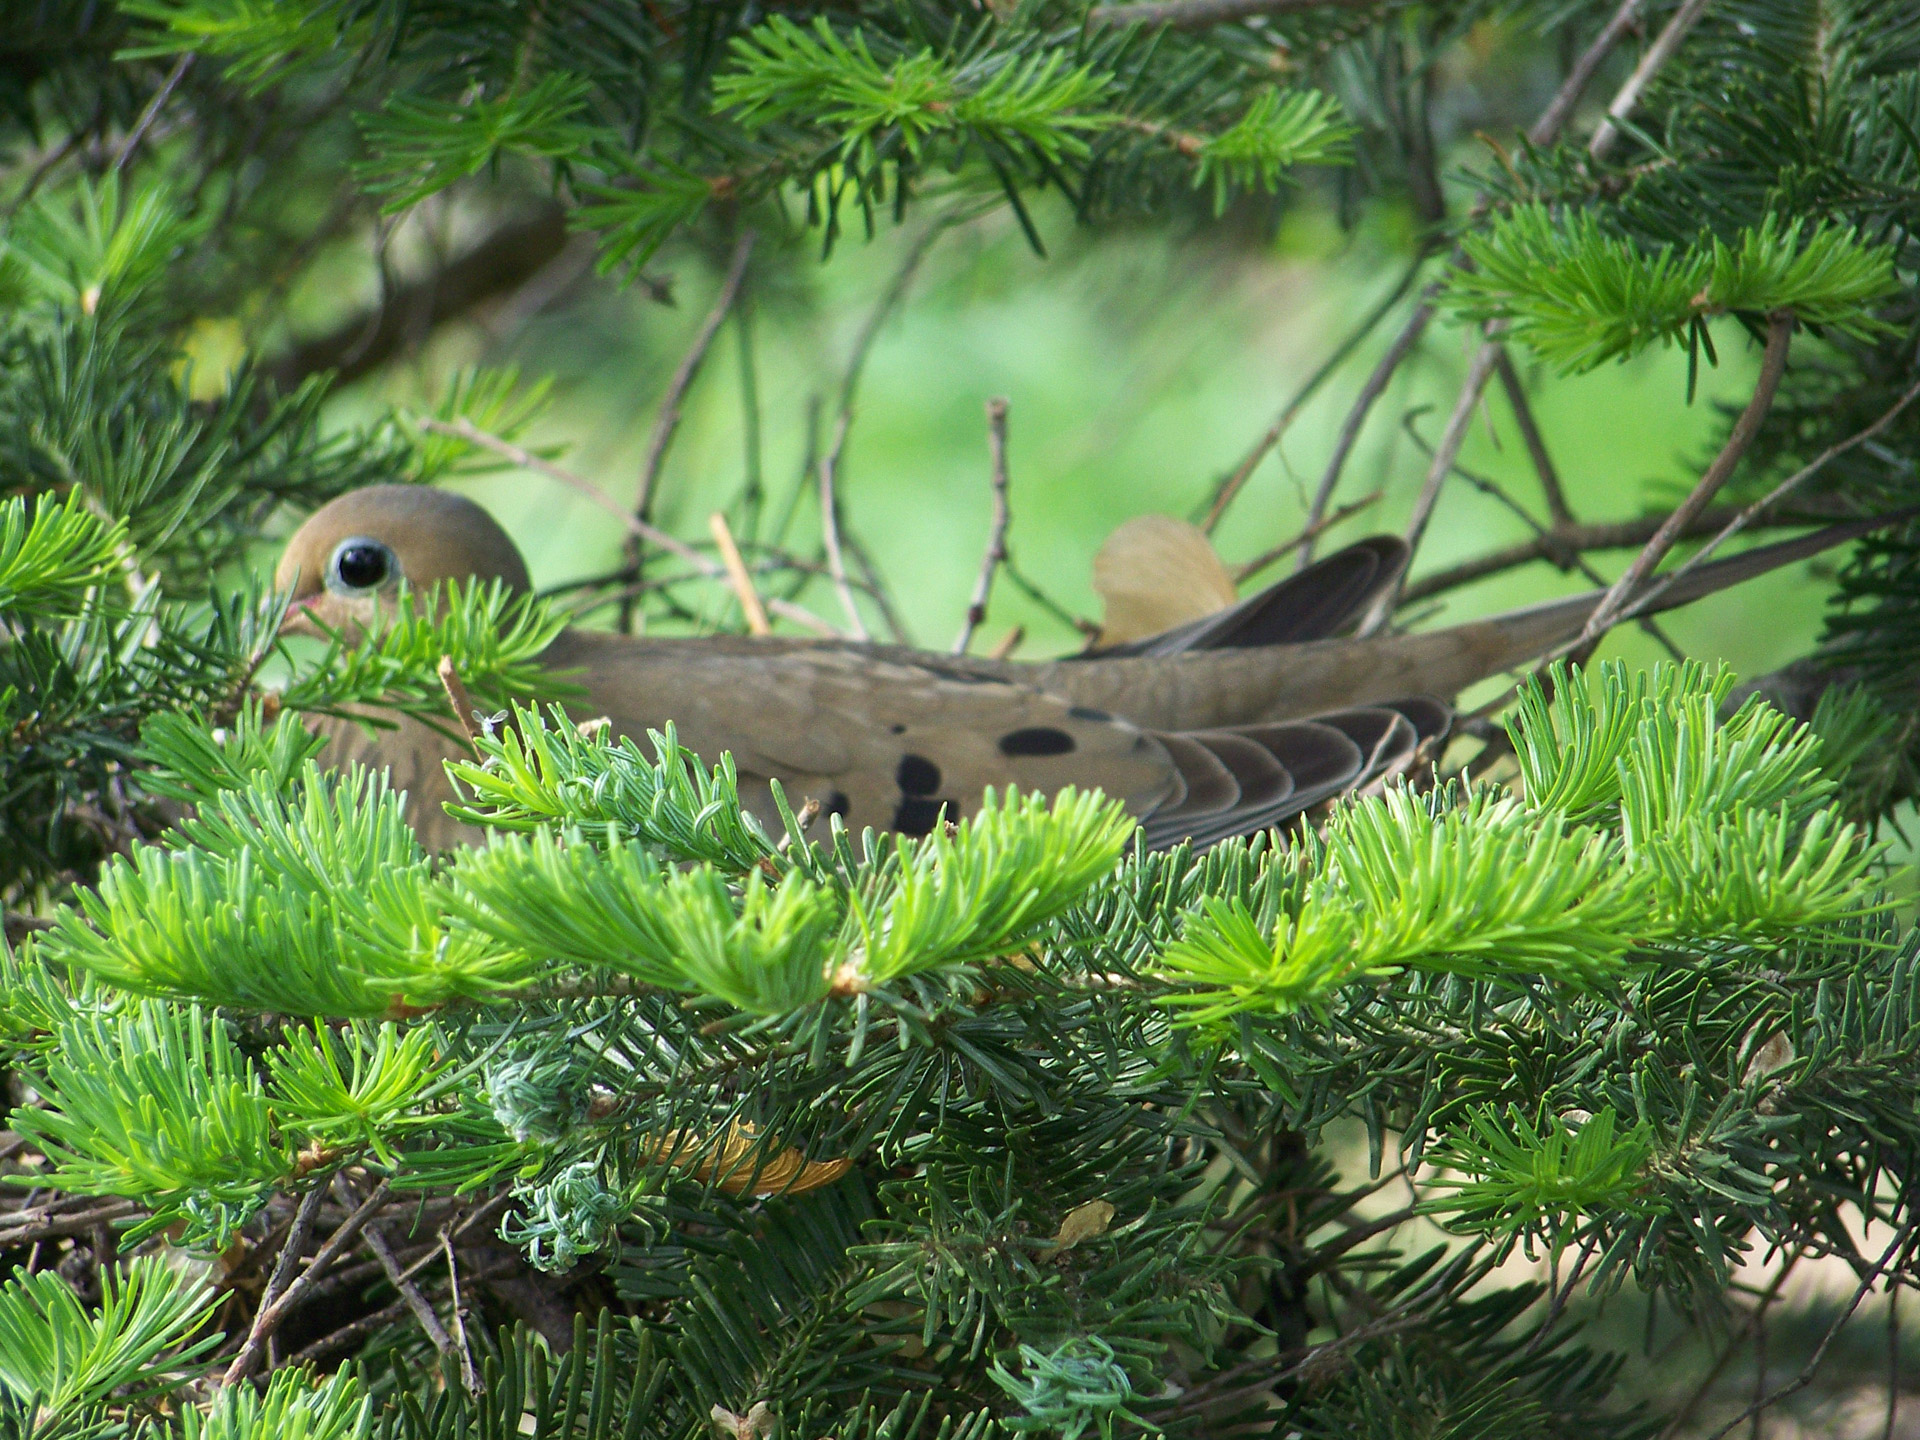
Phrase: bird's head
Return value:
(347, 561)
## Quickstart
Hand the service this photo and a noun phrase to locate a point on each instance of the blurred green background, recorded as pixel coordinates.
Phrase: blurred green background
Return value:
(1139, 366)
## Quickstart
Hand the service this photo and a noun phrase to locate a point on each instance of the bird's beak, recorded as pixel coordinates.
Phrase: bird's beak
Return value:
(299, 618)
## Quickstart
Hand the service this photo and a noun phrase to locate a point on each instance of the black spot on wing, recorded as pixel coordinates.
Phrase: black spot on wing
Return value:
(918, 817)
(1036, 740)
(917, 775)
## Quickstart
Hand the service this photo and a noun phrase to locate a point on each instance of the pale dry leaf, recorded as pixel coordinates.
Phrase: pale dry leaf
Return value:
(1156, 572)
(1083, 1222)
(1772, 1056)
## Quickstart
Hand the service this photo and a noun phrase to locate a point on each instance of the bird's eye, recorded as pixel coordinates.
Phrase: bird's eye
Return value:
(360, 564)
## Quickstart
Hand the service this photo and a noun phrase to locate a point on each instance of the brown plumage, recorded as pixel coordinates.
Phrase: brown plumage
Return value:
(1223, 726)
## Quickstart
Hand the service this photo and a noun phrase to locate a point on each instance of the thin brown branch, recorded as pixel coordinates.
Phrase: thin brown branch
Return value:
(1543, 467)
(282, 1295)
(1559, 541)
(469, 1377)
(996, 554)
(1306, 536)
(1901, 1239)
(667, 423)
(1363, 403)
(742, 582)
(459, 701)
(1773, 364)
(1203, 14)
(1559, 110)
(1650, 65)
(409, 1292)
(830, 524)
(347, 1335)
(1008, 643)
(465, 429)
(278, 1282)
(152, 112)
(1229, 489)
(1451, 439)
(1773, 497)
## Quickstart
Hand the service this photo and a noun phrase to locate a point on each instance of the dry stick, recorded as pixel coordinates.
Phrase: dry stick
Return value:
(1657, 55)
(668, 420)
(1543, 132)
(409, 1292)
(1543, 466)
(349, 1334)
(1243, 573)
(667, 423)
(281, 1296)
(1773, 364)
(459, 700)
(1805, 1377)
(468, 1376)
(465, 429)
(1544, 536)
(1375, 386)
(1230, 488)
(997, 534)
(1202, 14)
(1779, 492)
(1558, 541)
(152, 112)
(1451, 439)
(652, 534)
(750, 605)
(1008, 643)
(1700, 1389)
(830, 525)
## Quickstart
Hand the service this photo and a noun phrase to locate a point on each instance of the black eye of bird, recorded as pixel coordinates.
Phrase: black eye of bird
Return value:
(360, 564)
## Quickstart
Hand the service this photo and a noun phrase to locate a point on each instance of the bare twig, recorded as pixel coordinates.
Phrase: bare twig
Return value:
(1559, 110)
(1202, 14)
(1559, 544)
(1230, 488)
(1650, 64)
(1307, 536)
(1544, 131)
(667, 422)
(1375, 386)
(1543, 466)
(750, 605)
(350, 1334)
(468, 1376)
(283, 1292)
(152, 112)
(1007, 643)
(1773, 365)
(1544, 536)
(1800, 1382)
(830, 524)
(465, 429)
(1732, 1347)
(409, 1292)
(1451, 439)
(1773, 497)
(460, 702)
(997, 533)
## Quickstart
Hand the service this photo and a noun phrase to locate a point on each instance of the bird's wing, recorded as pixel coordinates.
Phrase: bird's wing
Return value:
(888, 741)
(1315, 604)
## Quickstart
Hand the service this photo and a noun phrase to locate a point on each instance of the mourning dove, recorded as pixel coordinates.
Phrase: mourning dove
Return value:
(1224, 725)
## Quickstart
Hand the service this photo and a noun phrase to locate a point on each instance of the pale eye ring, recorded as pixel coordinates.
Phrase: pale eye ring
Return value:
(360, 564)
